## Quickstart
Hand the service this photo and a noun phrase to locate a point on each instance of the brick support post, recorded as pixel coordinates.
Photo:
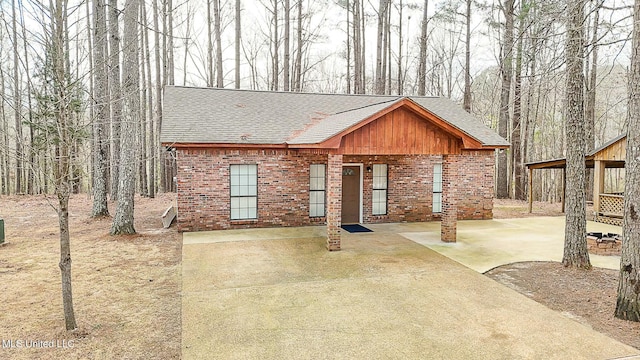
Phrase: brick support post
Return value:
(450, 178)
(334, 201)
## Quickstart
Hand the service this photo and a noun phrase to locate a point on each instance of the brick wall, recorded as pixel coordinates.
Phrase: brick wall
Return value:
(283, 187)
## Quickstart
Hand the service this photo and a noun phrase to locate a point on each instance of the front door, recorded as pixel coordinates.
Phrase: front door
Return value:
(350, 194)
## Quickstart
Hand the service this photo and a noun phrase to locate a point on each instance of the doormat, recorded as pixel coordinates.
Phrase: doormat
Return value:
(356, 228)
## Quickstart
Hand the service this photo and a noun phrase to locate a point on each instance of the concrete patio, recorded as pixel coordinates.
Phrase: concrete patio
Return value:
(278, 294)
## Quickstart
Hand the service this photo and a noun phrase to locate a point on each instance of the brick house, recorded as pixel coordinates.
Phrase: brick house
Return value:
(268, 159)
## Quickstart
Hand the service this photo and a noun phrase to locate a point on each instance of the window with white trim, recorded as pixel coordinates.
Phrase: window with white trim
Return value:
(244, 191)
(317, 186)
(437, 188)
(380, 185)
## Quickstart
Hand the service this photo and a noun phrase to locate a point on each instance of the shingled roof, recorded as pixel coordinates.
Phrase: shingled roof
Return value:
(222, 116)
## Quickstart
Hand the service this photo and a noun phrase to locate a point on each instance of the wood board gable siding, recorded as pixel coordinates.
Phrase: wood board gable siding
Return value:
(399, 132)
(614, 152)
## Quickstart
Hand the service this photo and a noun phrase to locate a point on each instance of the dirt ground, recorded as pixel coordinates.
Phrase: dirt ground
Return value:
(126, 289)
(587, 296)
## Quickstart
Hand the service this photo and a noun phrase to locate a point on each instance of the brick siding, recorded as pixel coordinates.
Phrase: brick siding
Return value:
(283, 187)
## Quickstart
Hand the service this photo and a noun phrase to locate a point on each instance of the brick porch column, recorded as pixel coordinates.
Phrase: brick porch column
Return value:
(334, 201)
(449, 220)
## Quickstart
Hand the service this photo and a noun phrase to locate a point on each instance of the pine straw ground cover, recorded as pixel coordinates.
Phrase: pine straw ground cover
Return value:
(126, 289)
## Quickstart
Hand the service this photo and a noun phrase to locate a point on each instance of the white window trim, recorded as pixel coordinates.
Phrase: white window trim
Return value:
(324, 191)
(433, 188)
(231, 196)
(386, 190)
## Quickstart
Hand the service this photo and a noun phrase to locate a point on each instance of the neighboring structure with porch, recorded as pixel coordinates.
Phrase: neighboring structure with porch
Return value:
(607, 204)
(265, 159)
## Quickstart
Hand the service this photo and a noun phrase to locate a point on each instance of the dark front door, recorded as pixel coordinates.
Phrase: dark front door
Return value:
(350, 194)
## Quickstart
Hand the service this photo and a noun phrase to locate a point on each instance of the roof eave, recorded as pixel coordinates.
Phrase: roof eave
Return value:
(194, 145)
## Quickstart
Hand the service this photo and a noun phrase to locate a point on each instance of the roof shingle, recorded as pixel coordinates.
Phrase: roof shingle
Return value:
(224, 116)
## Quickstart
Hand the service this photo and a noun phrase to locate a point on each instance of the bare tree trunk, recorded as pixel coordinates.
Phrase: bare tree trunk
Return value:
(298, 66)
(151, 150)
(123, 220)
(116, 94)
(516, 128)
(142, 124)
(62, 164)
(216, 19)
(237, 44)
(101, 110)
(187, 44)
(422, 61)
(17, 104)
(502, 178)
(171, 79)
(400, 82)
(5, 174)
(357, 48)
(380, 76)
(575, 243)
(363, 49)
(348, 49)
(467, 61)
(287, 31)
(386, 66)
(590, 100)
(30, 170)
(628, 301)
(209, 72)
(276, 48)
(152, 136)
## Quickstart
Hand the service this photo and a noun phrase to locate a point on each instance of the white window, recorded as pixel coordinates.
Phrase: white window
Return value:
(380, 181)
(437, 188)
(244, 191)
(317, 190)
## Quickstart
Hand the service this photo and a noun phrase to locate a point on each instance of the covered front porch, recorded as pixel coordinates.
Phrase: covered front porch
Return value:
(388, 194)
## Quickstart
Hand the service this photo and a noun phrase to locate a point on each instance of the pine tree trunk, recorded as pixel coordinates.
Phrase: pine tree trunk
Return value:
(151, 151)
(467, 61)
(516, 125)
(6, 178)
(156, 154)
(357, 46)
(142, 125)
(209, 72)
(237, 44)
(590, 100)
(123, 220)
(219, 70)
(116, 94)
(575, 243)
(422, 61)
(276, 48)
(628, 301)
(298, 67)
(400, 40)
(287, 31)
(502, 177)
(17, 105)
(380, 76)
(171, 78)
(101, 111)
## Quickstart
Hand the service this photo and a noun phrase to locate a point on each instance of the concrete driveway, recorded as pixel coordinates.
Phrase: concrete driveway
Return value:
(278, 294)
(485, 244)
